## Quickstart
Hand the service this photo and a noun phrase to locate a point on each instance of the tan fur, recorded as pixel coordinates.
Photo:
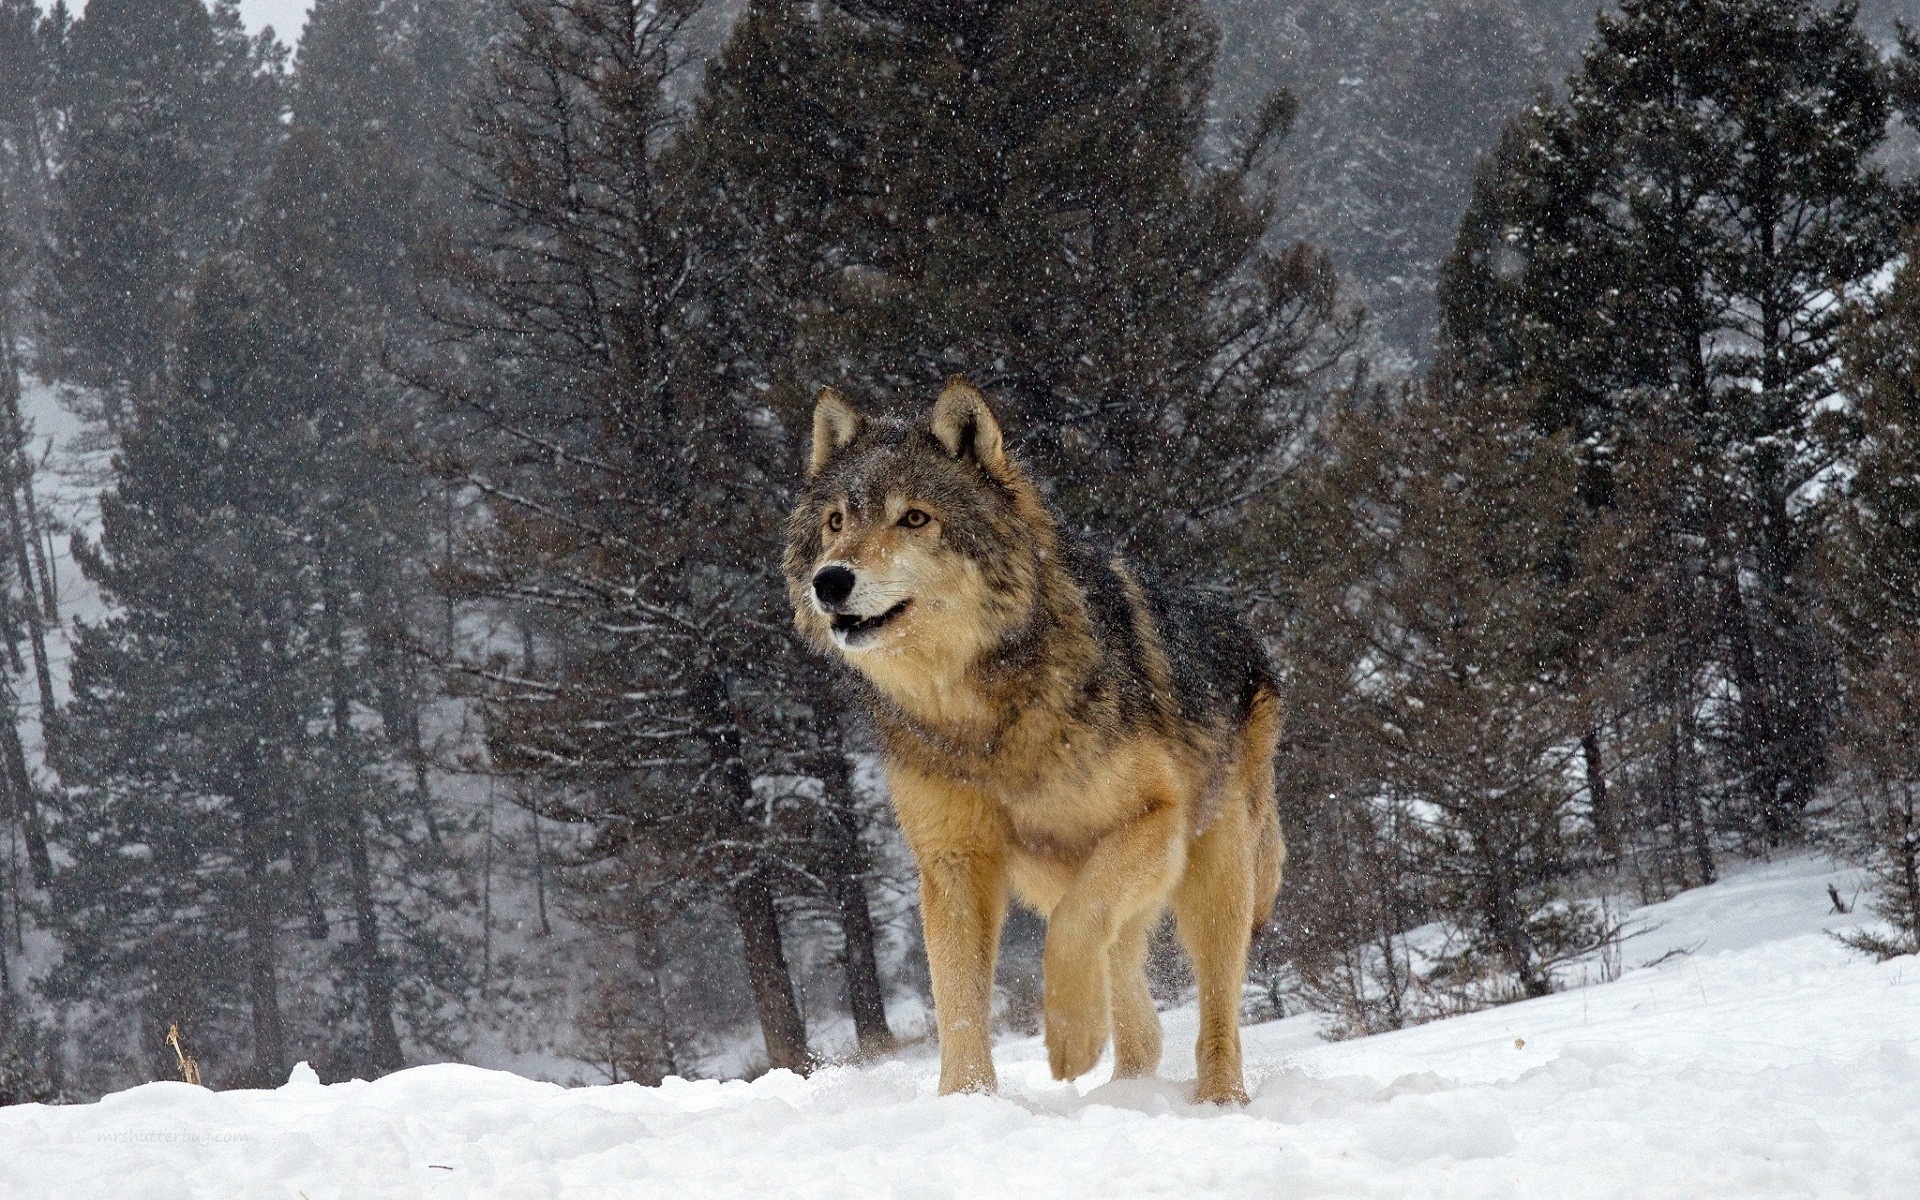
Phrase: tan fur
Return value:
(834, 425)
(961, 415)
(1017, 780)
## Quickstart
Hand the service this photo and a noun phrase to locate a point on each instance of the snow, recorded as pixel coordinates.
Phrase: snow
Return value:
(1762, 1060)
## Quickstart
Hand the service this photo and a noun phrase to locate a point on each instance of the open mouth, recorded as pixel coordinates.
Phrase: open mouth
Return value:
(852, 630)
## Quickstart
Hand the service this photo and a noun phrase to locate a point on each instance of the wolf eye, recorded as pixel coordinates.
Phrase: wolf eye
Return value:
(834, 522)
(914, 518)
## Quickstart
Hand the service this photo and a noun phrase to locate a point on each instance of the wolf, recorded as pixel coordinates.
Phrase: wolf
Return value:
(1055, 726)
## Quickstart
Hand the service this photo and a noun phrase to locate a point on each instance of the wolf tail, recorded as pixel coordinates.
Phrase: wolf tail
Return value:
(1260, 737)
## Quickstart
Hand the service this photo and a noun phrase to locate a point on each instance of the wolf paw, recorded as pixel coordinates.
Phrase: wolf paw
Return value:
(1077, 1026)
(1136, 1053)
(1074, 1045)
(1219, 1089)
(968, 1078)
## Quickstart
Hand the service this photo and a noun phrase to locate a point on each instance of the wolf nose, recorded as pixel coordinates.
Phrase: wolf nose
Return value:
(833, 585)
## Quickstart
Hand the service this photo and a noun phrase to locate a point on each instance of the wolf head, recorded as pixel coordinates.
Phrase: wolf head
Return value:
(915, 546)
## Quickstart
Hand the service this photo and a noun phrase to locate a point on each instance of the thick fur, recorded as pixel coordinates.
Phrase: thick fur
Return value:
(1056, 728)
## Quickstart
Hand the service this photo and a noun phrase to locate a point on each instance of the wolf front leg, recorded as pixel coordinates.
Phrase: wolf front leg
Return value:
(962, 902)
(959, 843)
(1128, 875)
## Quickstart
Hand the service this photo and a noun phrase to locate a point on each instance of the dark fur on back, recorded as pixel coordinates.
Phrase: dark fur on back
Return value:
(1213, 660)
(1218, 663)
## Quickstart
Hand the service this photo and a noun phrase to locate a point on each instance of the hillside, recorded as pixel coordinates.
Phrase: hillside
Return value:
(1755, 1058)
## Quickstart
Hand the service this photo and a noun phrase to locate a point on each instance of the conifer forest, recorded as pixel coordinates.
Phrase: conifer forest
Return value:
(400, 414)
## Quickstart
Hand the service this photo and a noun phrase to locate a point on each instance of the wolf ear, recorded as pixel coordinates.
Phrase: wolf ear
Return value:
(965, 426)
(835, 423)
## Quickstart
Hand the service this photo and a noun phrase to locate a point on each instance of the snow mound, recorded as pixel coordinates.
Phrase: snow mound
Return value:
(1764, 1060)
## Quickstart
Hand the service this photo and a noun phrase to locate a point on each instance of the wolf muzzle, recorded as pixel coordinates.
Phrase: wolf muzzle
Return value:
(833, 590)
(832, 585)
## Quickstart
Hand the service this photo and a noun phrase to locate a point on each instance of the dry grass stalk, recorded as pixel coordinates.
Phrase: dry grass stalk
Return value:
(189, 1066)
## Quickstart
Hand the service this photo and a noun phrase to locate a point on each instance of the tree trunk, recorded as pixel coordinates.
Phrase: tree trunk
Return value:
(412, 738)
(864, 994)
(10, 635)
(1606, 825)
(1500, 907)
(1778, 789)
(486, 895)
(646, 953)
(539, 869)
(846, 868)
(376, 976)
(22, 468)
(1701, 845)
(263, 989)
(25, 801)
(40, 541)
(305, 866)
(780, 1022)
(36, 628)
(1908, 848)
(6, 970)
(748, 889)
(14, 462)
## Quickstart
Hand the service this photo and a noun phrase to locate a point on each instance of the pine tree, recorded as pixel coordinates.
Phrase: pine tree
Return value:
(184, 740)
(1679, 236)
(341, 220)
(623, 513)
(363, 515)
(227, 792)
(1456, 616)
(358, 105)
(168, 115)
(380, 88)
(1021, 192)
(1873, 574)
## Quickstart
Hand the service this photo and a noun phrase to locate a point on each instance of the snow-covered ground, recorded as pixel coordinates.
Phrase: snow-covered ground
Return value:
(1766, 1061)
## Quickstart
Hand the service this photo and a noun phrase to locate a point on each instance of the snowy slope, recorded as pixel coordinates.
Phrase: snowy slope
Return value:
(1767, 1062)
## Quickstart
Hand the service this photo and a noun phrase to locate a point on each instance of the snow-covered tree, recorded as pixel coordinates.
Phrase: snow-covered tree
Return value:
(1680, 236)
(231, 791)
(623, 511)
(1455, 614)
(168, 112)
(1873, 575)
(1091, 266)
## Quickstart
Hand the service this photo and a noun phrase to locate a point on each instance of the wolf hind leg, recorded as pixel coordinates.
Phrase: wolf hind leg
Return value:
(1214, 907)
(1136, 1023)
